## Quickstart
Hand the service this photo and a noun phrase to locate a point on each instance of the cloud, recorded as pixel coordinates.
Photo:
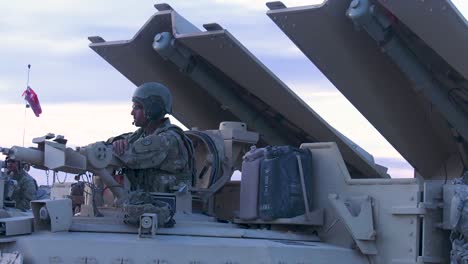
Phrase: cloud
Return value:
(260, 5)
(60, 14)
(314, 88)
(6, 84)
(52, 46)
(462, 6)
(54, 27)
(407, 172)
(274, 46)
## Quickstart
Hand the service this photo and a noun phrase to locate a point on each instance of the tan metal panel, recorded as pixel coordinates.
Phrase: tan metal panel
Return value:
(439, 24)
(353, 62)
(128, 248)
(396, 236)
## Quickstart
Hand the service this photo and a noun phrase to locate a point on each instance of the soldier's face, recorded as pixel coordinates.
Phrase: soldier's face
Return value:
(138, 113)
(12, 166)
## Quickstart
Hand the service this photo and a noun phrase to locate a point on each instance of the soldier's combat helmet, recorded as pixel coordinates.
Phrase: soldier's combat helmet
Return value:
(155, 98)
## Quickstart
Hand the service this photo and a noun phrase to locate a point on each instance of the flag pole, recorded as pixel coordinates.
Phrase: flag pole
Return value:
(26, 107)
(29, 69)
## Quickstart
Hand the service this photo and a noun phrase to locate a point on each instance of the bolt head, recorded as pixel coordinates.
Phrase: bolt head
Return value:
(355, 3)
(146, 222)
(158, 37)
(43, 213)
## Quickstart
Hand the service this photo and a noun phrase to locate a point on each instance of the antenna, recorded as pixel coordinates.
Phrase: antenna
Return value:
(29, 69)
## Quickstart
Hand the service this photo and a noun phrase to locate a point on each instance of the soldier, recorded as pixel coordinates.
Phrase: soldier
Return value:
(26, 187)
(158, 157)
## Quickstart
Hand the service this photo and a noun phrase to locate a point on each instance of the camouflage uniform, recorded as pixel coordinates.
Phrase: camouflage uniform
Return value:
(160, 161)
(25, 190)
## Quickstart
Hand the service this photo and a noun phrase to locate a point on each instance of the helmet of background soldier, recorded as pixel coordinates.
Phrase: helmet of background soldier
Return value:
(155, 98)
(19, 165)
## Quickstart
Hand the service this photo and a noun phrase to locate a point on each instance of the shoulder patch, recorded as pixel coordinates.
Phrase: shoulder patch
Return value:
(146, 141)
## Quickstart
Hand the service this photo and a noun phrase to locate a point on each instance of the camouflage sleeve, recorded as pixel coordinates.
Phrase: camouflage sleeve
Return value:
(122, 136)
(149, 152)
(29, 190)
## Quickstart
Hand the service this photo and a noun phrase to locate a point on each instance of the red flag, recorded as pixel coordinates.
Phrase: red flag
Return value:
(31, 97)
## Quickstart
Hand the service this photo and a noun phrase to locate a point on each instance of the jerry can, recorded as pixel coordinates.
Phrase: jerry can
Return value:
(249, 183)
(280, 189)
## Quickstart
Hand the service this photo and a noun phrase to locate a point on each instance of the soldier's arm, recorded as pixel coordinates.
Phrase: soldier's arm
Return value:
(119, 137)
(120, 143)
(28, 194)
(30, 190)
(120, 146)
(148, 152)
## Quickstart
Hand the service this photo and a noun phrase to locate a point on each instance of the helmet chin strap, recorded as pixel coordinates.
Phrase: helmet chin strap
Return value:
(152, 126)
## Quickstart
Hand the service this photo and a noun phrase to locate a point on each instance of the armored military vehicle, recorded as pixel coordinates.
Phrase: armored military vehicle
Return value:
(403, 64)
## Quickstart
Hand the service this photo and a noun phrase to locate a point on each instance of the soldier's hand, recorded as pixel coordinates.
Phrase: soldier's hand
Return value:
(120, 146)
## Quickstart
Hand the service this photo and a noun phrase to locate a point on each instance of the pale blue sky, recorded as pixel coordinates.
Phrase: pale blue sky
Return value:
(75, 84)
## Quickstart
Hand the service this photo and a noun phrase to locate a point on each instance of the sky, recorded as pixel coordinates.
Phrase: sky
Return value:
(87, 100)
